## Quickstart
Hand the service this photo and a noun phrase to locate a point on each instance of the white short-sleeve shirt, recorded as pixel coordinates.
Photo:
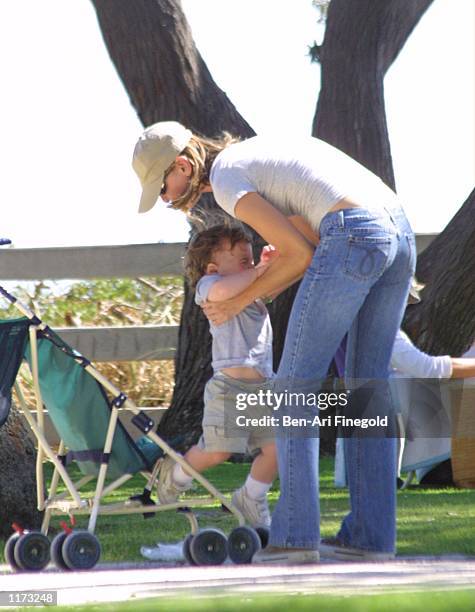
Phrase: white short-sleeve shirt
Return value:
(303, 177)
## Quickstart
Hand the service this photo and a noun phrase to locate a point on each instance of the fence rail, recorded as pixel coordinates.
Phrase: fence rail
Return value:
(123, 261)
(153, 342)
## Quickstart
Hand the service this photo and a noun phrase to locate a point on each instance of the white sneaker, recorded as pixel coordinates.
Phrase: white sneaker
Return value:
(255, 511)
(168, 491)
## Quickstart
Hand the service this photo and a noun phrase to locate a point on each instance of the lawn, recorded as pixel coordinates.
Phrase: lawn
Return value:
(430, 521)
(402, 602)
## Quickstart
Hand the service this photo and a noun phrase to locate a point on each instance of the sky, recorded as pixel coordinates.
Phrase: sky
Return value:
(68, 129)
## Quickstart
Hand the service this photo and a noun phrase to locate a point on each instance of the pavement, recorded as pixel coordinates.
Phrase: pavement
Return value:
(122, 582)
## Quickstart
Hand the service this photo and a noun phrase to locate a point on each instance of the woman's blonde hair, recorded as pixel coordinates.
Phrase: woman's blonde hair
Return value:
(201, 153)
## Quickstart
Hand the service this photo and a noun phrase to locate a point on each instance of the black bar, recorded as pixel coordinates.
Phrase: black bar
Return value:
(143, 422)
(119, 401)
(11, 298)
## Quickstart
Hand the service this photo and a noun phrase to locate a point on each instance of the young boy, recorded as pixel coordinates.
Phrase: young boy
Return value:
(219, 262)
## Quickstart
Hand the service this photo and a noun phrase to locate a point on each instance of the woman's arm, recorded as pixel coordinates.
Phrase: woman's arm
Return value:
(295, 255)
(410, 360)
(305, 229)
(463, 367)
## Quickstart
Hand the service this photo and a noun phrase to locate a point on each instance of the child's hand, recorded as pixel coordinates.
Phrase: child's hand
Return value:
(269, 253)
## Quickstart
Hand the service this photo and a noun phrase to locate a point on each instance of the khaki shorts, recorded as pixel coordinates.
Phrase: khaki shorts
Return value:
(221, 433)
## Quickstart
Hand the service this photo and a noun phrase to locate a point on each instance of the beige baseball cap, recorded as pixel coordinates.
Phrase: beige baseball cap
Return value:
(154, 152)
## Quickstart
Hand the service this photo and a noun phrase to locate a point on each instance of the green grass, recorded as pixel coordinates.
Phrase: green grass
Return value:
(435, 601)
(430, 521)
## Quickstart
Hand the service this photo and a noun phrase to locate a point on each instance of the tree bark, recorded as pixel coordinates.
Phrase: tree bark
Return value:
(152, 48)
(362, 39)
(443, 323)
(17, 476)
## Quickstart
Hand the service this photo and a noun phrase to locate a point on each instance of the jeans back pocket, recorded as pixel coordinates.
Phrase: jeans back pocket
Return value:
(367, 256)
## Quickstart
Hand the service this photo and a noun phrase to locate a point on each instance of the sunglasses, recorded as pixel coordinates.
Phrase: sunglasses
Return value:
(163, 190)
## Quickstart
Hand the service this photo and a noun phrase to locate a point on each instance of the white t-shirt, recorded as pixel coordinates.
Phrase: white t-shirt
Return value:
(243, 340)
(303, 177)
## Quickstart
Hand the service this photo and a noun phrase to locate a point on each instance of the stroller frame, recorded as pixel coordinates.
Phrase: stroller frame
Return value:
(70, 502)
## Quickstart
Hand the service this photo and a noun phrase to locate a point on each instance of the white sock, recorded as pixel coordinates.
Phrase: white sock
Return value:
(256, 489)
(180, 477)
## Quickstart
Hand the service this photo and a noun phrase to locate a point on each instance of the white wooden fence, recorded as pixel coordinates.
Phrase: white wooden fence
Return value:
(120, 343)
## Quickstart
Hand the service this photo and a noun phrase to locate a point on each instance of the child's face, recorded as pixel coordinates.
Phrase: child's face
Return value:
(227, 260)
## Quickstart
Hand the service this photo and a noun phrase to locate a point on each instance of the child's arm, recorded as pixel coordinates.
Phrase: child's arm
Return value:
(233, 284)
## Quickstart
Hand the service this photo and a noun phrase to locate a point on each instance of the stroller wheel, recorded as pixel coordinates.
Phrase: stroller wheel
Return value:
(56, 550)
(263, 533)
(209, 547)
(81, 550)
(186, 549)
(9, 551)
(31, 551)
(243, 542)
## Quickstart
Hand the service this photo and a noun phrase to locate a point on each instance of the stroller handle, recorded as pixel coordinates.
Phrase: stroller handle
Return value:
(12, 299)
(21, 307)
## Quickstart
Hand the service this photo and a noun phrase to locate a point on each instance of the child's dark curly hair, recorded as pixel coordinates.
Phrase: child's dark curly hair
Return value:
(202, 247)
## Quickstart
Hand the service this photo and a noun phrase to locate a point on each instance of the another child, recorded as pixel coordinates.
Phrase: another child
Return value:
(219, 262)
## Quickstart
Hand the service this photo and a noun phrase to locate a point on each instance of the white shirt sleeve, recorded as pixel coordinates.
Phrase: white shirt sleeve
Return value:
(408, 360)
(229, 185)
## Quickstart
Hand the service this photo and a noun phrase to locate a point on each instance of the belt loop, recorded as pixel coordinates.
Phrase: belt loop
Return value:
(388, 210)
(342, 218)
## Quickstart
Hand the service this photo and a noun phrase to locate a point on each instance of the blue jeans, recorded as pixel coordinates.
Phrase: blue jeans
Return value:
(357, 283)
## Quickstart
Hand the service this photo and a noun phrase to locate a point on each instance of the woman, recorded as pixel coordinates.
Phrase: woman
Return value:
(356, 281)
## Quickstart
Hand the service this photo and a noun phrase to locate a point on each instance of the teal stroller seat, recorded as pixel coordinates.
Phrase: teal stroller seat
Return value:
(80, 410)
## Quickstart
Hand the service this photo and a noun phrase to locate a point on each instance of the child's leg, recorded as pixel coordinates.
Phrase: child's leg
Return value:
(264, 466)
(251, 499)
(173, 480)
(200, 460)
(262, 474)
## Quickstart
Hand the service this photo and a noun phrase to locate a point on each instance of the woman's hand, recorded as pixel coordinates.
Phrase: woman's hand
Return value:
(218, 313)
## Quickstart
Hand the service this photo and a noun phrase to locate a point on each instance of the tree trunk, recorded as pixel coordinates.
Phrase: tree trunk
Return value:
(17, 476)
(443, 323)
(151, 46)
(362, 39)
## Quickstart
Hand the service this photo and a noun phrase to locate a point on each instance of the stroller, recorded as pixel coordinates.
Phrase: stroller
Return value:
(84, 409)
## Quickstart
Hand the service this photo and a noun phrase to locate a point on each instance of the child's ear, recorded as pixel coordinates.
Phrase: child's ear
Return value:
(211, 268)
